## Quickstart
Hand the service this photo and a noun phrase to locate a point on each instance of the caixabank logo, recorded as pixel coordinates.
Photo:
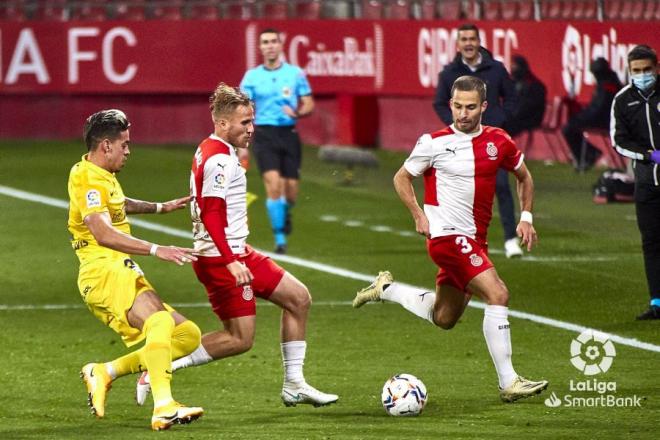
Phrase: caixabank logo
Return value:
(592, 353)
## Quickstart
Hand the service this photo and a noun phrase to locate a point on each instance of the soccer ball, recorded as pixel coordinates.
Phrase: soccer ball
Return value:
(404, 395)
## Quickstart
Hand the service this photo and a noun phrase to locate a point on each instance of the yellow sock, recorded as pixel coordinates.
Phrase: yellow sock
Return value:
(128, 364)
(186, 337)
(157, 355)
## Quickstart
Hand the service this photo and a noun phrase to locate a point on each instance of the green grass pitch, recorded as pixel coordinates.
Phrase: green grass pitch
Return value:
(587, 270)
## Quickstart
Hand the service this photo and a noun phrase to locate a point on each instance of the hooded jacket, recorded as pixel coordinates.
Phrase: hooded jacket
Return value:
(500, 93)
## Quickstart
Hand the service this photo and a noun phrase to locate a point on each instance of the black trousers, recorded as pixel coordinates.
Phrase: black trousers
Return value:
(505, 204)
(647, 205)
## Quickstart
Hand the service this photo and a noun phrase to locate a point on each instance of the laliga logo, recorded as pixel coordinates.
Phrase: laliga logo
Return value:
(578, 51)
(592, 352)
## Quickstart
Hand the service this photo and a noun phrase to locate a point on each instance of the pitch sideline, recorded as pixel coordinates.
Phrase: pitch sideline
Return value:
(51, 201)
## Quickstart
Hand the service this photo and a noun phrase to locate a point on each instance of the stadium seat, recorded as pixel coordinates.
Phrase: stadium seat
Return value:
(53, 10)
(552, 9)
(612, 9)
(575, 11)
(590, 9)
(12, 10)
(275, 10)
(625, 13)
(450, 9)
(600, 138)
(308, 9)
(526, 9)
(568, 9)
(398, 10)
(202, 10)
(91, 10)
(129, 10)
(649, 10)
(167, 10)
(637, 10)
(428, 10)
(555, 116)
(472, 10)
(240, 9)
(372, 10)
(490, 10)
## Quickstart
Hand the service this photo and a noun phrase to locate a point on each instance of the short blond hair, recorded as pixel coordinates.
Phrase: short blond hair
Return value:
(226, 99)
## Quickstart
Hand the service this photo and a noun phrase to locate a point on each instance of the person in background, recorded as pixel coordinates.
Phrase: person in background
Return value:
(594, 115)
(530, 93)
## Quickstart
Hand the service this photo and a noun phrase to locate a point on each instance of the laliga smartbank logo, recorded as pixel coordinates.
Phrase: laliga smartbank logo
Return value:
(592, 353)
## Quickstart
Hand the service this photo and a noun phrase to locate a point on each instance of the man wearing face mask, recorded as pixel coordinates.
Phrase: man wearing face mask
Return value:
(635, 133)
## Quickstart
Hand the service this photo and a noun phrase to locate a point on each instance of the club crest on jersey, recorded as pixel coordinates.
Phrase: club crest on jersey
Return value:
(93, 198)
(476, 260)
(491, 150)
(247, 293)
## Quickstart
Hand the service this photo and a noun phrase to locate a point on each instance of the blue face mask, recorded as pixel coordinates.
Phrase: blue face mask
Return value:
(644, 81)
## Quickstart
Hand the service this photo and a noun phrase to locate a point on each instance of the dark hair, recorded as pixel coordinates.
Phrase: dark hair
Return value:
(469, 27)
(270, 31)
(467, 83)
(106, 124)
(225, 99)
(642, 52)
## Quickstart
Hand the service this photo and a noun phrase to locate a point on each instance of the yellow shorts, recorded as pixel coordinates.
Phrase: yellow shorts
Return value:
(109, 288)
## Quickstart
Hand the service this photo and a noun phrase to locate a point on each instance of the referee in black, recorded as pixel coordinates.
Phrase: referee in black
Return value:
(635, 133)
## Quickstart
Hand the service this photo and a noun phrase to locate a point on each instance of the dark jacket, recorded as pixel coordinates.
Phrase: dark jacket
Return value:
(531, 94)
(597, 113)
(498, 85)
(635, 129)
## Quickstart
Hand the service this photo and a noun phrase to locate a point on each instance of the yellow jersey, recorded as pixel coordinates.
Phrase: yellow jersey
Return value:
(93, 189)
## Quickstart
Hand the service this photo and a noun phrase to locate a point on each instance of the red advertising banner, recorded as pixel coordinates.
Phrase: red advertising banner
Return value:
(386, 58)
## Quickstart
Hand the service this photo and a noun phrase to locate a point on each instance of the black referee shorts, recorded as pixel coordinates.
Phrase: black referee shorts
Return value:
(278, 148)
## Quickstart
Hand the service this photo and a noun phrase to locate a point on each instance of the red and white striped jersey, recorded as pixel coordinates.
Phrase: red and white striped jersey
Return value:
(460, 171)
(217, 172)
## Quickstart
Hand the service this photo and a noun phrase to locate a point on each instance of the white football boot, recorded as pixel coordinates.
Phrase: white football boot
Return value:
(373, 292)
(142, 388)
(512, 249)
(303, 393)
(521, 388)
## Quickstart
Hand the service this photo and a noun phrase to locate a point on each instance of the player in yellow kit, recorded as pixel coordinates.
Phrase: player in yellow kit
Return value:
(112, 285)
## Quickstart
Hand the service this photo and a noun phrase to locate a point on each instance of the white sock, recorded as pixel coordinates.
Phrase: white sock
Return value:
(110, 370)
(417, 301)
(197, 357)
(498, 340)
(293, 359)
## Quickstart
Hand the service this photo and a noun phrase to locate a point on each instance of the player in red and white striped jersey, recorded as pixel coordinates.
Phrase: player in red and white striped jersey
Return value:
(459, 165)
(232, 272)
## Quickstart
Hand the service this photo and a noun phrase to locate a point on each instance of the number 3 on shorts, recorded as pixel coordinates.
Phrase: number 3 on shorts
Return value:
(466, 247)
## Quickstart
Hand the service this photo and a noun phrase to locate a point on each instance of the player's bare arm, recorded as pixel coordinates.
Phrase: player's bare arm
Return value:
(134, 206)
(525, 189)
(305, 108)
(404, 188)
(106, 235)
